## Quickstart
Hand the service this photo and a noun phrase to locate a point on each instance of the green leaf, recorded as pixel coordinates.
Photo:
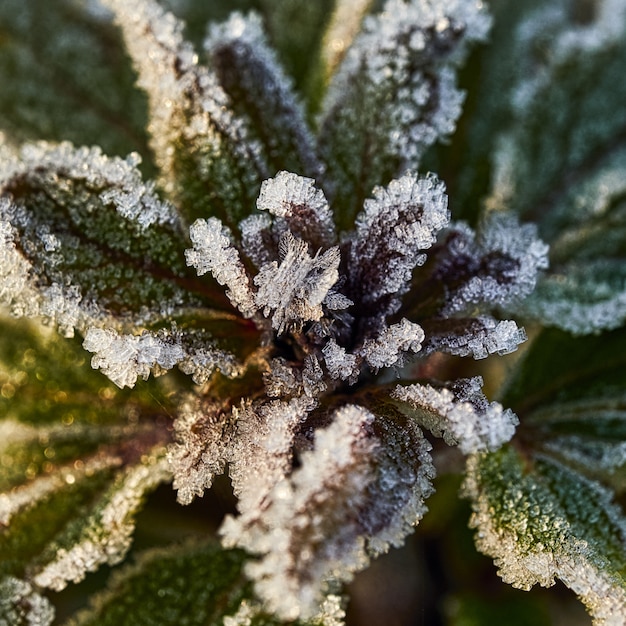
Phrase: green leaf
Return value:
(569, 394)
(561, 155)
(392, 97)
(540, 521)
(86, 240)
(69, 78)
(208, 163)
(193, 584)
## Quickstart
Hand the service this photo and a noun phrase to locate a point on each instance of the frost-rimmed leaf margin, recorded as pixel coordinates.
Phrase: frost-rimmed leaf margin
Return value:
(547, 522)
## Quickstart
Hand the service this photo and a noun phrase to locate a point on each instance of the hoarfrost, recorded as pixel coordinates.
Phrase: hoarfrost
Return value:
(410, 50)
(301, 205)
(21, 604)
(249, 71)
(203, 431)
(125, 358)
(213, 251)
(262, 451)
(477, 337)
(562, 554)
(498, 266)
(187, 104)
(293, 292)
(460, 413)
(341, 365)
(396, 226)
(391, 344)
(108, 534)
(358, 491)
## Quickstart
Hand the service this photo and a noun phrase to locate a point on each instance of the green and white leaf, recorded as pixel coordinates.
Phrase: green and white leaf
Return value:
(70, 79)
(208, 163)
(542, 521)
(560, 159)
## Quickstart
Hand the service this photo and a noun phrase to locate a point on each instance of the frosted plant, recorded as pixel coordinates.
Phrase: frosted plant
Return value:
(253, 274)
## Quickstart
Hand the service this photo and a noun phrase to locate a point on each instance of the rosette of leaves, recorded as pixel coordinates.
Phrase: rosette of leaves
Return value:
(245, 281)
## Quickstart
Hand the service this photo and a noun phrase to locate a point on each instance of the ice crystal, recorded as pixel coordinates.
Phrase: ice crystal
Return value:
(293, 291)
(21, 604)
(460, 414)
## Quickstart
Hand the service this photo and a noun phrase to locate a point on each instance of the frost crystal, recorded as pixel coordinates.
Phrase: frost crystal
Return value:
(21, 604)
(125, 358)
(392, 233)
(108, 536)
(309, 532)
(478, 337)
(303, 208)
(213, 251)
(496, 267)
(293, 292)
(461, 414)
(187, 104)
(390, 345)
(249, 71)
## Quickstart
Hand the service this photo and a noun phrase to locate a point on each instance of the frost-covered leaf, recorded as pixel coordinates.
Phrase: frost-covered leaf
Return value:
(208, 164)
(196, 583)
(494, 267)
(296, 203)
(357, 492)
(261, 93)
(395, 94)
(104, 535)
(545, 522)
(458, 412)
(478, 337)
(552, 511)
(21, 605)
(570, 395)
(560, 157)
(69, 78)
(391, 235)
(84, 240)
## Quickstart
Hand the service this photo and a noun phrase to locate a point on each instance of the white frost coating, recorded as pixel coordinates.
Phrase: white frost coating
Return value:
(303, 207)
(483, 336)
(119, 178)
(293, 292)
(503, 261)
(259, 74)
(391, 344)
(396, 226)
(573, 561)
(341, 365)
(213, 251)
(21, 604)
(203, 432)
(125, 358)
(464, 418)
(603, 455)
(257, 238)
(400, 47)
(108, 534)
(29, 494)
(261, 453)
(186, 102)
(301, 549)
